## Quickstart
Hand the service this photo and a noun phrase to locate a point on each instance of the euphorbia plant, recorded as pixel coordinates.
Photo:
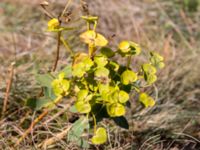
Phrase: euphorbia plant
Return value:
(99, 86)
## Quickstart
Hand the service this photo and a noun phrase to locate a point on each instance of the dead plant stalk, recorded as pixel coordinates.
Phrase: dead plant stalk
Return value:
(8, 88)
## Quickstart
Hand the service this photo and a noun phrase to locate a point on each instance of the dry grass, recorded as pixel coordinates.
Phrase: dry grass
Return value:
(157, 25)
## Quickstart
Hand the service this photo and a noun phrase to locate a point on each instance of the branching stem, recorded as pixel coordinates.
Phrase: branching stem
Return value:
(95, 123)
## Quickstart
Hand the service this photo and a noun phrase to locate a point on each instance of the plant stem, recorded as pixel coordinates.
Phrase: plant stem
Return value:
(95, 123)
(90, 49)
(66, 44)
(57, 51)
(88, 26)
(128, 61)
(95, 25)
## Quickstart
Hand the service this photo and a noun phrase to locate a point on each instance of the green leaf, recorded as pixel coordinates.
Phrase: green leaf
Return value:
(114, 66)
(77, 130)
(99, 111)
(39, 103)
(44, 79)
(73, 109)
(67, 71)
(48, 93)
(106, 51)
(121, 122)
(146, 100)
(100, 136)
(128, 77)
(93, 87)
(31, 102)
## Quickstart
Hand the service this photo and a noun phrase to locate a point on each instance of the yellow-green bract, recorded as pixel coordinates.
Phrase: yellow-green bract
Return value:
(60, 85)
(146, 100)
(128, 77)
(93, 38)
(100, 136)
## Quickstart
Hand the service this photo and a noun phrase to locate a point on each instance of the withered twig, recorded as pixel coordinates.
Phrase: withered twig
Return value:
(45, 112)
(65, 9)
(8, 87)
(57, 115)
(38, 119)
(45, 10)
(55, 138)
